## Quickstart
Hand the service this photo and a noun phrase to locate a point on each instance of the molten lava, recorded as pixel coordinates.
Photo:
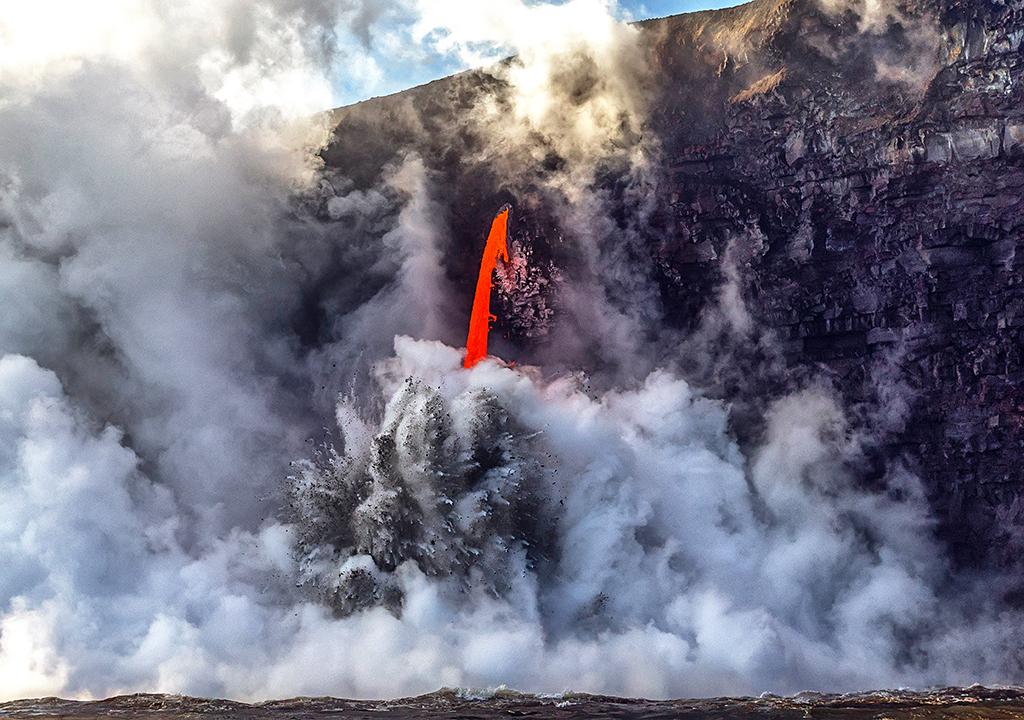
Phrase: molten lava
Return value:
(480, 319)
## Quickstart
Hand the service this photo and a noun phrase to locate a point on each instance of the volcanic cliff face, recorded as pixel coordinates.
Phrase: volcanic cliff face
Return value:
(834, 190)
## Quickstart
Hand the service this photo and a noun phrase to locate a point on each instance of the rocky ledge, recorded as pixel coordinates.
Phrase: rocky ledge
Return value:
(857, 179)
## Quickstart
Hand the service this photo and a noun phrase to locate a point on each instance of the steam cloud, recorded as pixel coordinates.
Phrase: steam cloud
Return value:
(472, 528)
(904, 46)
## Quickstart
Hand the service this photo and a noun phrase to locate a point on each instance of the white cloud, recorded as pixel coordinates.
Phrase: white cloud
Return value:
(175, 316)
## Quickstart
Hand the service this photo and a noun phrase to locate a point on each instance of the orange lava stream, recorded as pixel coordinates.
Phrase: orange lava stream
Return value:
(480, 319)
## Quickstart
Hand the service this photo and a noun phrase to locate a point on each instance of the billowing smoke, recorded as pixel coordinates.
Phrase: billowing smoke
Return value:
(903, 44)
(577, 74)
(185, 288)
(570, 108)
(623, 540)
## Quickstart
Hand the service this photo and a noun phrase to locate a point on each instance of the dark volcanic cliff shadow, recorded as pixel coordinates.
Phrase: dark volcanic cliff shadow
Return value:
(864, 166)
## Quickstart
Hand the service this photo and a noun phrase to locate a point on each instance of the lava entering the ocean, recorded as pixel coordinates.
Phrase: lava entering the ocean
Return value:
(480, 319)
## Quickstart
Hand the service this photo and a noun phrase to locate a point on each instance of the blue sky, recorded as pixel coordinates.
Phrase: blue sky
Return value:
(383, 67)
(660, 8)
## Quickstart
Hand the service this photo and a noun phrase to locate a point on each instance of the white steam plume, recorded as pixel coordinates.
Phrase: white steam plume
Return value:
(159, 368)
(903, 44)
(577, 75)
(623, 543)
(574, 93)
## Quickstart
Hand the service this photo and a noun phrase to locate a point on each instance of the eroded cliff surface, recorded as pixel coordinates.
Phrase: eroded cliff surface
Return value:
(852, 180)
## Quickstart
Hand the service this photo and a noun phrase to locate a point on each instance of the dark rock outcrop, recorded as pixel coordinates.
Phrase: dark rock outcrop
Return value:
(871, 173)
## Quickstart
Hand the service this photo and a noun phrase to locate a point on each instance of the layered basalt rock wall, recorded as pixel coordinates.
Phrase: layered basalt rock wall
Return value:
(859, 181)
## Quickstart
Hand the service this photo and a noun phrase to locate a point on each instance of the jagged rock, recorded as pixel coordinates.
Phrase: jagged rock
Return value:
(453, 498)
(880, 172)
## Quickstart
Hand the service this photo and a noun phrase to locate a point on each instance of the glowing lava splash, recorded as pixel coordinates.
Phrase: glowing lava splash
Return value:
(480, 319)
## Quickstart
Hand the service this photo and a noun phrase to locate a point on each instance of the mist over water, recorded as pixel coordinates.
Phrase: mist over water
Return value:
(170, 520)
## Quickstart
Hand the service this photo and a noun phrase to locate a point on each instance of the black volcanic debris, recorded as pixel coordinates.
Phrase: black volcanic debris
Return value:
(852, 177)
(975, 702)
(451, 486)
